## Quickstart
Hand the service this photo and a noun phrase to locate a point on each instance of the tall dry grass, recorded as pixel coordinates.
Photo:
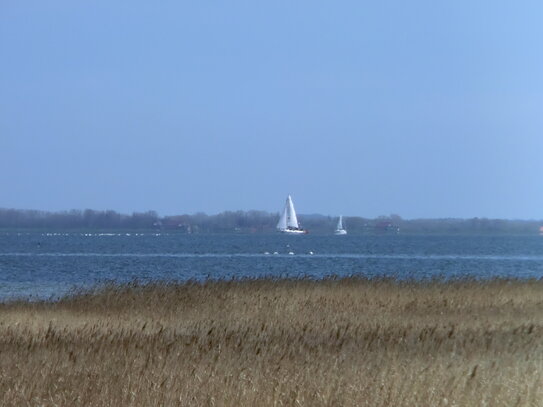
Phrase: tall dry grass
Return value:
(350, 342)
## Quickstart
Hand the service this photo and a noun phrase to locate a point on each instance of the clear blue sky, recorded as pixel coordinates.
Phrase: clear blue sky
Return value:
(420, 108)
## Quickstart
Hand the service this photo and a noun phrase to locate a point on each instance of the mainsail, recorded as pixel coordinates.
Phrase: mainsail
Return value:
(292, 220)
(339, 229)
(340, 223)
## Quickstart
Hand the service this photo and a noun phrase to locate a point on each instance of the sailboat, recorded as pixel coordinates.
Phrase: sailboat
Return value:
(288, 222)
(339, 229)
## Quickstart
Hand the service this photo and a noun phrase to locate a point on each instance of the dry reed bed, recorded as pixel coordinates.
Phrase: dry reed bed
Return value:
(350, 342)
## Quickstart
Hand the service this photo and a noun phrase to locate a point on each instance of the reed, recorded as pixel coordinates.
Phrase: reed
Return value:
(346, 342)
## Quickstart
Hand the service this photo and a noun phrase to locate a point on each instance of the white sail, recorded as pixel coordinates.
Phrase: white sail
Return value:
(288, 221)
(292, 220)
(339, 228)
(339, 223)
(282, 224)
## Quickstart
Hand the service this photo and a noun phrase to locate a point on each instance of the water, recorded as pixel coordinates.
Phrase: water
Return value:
(47, 265)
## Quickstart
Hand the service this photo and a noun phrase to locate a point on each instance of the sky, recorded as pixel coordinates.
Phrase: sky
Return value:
(419, 108)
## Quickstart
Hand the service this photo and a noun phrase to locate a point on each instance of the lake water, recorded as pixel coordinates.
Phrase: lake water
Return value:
(47, 265)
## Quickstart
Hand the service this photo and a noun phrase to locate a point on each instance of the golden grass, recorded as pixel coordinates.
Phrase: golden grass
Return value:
(350, 342)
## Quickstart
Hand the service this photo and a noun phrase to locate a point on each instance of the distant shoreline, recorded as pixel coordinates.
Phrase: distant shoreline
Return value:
(253, 222)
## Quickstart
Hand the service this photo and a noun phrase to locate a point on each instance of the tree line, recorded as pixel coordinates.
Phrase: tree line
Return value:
(76, 219)
(255, 222)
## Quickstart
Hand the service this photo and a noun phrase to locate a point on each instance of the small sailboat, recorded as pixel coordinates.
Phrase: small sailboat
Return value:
(288, 222)
(339, 229)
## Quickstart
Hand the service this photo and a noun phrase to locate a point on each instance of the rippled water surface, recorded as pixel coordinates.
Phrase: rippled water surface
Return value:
(46, 265)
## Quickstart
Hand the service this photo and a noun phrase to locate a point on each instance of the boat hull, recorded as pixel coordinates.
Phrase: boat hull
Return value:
(340, 232)
(293, 231)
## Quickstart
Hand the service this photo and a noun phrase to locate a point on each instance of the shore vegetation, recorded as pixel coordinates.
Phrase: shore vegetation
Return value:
(345, 342)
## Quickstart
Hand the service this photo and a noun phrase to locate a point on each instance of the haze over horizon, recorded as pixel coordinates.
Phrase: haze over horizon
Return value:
(423, 109)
